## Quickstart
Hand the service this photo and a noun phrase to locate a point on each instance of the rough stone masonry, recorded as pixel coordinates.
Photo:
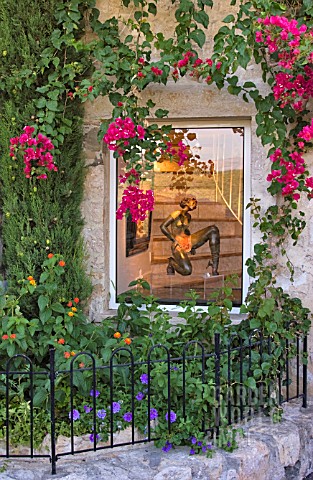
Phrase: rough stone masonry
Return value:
(267, 451)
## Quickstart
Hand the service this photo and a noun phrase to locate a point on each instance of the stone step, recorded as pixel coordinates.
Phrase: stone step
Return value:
(227, 264)
(192, 280)
(230, 227)
(157, 259)
(218, 211)
(230, 243)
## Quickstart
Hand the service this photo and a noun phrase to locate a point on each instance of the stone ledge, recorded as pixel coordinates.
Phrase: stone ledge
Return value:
(281, 451)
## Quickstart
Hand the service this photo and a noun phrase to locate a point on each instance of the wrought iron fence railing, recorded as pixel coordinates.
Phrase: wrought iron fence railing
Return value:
(214, 384)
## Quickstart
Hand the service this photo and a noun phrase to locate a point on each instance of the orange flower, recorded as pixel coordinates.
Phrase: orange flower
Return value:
(61, 263)
(117, 335)
(81, 365)
(73, 354)
(127, 341)
(61, 341)
(74, 309)
(70, 314)
(67, 354)
(76, 300)
(5, 337)
(30, 278)
(13, 335)
(32, 282)
(69, 304)
(50, 255)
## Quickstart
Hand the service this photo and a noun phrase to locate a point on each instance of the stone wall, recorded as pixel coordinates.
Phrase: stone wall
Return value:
(266, 451)
(185, 99)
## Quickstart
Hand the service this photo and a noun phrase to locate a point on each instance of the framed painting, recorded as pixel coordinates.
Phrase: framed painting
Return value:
(137, 235)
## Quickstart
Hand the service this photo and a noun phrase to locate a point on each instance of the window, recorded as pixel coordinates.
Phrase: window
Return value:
(210, 233)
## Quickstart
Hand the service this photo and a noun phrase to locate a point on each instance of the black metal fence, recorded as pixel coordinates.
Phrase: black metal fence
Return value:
(239, 372)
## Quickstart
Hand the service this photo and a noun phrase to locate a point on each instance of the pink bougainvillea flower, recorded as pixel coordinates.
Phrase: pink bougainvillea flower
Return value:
(36, 153)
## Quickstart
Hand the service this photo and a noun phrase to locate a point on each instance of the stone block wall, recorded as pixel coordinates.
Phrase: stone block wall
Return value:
(266, 451)
(185, 99)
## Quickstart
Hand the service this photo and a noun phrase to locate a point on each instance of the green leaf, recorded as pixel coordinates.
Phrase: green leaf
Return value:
(106, 354)
(202, 18)
(250, 383)
(57, 307)
(45, 315)
(255, 323)
(145, 285)
(234, 90)
(115, 97)
(272, 327)
(40, 397)
(43, 277)
(138, 15)
(268, 305)
(160, 113)
(43, 301)
(228, 303)
(277, 316)
(52, 105)
(41, 102)
(198, 36)
(69, 327)
(229, 19)
(244, 309)
(152, 8)
(266, 367)
(248, 85)
(11, 350)
(257, 373)
(213, 310)
(232, 80)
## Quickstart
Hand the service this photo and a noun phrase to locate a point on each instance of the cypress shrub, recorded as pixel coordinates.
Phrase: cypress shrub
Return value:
(38, 216)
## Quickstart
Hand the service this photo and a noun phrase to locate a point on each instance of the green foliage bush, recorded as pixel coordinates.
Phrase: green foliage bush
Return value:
(38, 220)
(141, 328)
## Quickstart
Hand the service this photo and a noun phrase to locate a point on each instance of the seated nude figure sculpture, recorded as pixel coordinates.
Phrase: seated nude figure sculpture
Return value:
(176, 229)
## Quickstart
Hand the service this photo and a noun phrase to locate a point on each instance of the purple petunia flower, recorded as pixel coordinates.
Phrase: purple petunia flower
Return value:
(167, 447)
(172, 417)
(193, 440)
(74, 415)
(94, 393)
(128, 416)
(204, 448)
(144, 378)
(116, 407)
(228, 444)
(199, 444)
(101, 414)
(192, 451)
(87, 409)
(209, 447)
(91, 437)
(153, 414)
(140, 396)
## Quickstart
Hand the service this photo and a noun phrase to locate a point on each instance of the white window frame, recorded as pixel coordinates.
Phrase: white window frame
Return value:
(246, 252)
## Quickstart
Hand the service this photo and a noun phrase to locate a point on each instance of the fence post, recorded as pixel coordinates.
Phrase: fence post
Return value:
(52, 409)
(217, 351)
(305, 373)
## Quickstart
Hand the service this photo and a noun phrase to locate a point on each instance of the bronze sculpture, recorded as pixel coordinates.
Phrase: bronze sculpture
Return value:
(176, 229)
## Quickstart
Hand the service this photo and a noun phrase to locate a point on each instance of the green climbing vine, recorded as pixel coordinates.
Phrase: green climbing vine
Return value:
(118, 58)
